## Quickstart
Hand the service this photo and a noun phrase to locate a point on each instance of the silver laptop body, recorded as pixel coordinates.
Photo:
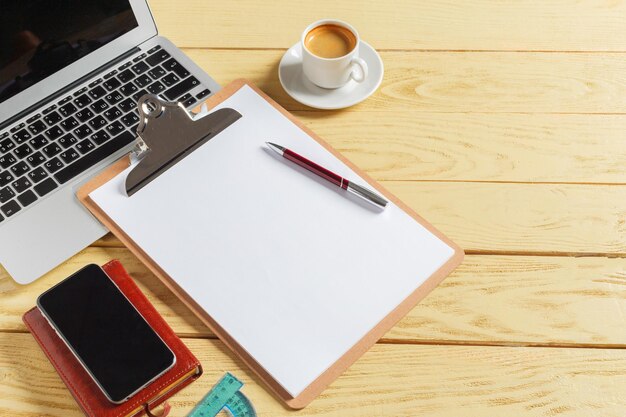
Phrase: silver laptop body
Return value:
(42, 223)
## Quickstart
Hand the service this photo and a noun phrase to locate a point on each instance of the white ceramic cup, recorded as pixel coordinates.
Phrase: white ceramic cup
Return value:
(333, 72)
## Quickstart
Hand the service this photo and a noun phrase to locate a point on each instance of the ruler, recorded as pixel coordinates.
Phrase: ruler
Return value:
(224, 395)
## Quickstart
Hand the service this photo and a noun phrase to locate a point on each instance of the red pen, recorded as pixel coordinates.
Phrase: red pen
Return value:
(330, 176)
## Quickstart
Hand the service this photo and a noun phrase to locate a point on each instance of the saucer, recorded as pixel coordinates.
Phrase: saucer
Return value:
(299, 87)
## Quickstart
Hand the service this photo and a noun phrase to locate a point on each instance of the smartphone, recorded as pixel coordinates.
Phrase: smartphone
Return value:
(106, 333)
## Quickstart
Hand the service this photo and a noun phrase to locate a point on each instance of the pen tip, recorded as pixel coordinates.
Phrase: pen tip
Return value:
(276, 148)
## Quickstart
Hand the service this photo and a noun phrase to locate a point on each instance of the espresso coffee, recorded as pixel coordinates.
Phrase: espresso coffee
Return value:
(330, 41)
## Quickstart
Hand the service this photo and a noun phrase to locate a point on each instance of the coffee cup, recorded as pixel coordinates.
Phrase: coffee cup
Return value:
(330, 50)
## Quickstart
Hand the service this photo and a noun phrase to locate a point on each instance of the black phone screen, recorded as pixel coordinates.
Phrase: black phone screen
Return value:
(113, 341)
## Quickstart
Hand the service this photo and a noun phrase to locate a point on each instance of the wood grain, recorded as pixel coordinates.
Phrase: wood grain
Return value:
(402, 24)
(553, 219)
(504, 300)
(389, 380)
(475, 82)
(409, 145)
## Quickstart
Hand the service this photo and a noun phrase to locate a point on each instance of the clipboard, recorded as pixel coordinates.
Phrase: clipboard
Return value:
(352, 354)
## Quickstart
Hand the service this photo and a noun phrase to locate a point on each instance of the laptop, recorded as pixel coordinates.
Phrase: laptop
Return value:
(71, 73)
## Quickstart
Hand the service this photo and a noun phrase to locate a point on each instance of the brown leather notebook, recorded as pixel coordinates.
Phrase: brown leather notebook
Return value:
(81, 385)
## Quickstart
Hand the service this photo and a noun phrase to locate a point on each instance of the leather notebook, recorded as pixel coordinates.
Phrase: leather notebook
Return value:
(81, 385)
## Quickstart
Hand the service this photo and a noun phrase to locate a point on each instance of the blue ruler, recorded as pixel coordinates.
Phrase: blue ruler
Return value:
(224, 395)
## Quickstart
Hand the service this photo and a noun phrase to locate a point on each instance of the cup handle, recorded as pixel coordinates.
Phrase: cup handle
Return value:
(359, 70)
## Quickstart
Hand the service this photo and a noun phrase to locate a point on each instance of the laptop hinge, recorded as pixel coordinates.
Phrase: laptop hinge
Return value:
(42, 103)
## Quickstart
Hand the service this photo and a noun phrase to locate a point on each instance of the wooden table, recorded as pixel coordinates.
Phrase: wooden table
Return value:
(502, 123)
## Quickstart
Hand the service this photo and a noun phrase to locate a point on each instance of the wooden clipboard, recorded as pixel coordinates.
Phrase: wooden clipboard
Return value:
(332, 373)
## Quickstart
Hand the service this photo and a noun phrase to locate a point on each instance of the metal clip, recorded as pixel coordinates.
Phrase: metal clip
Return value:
(166, 134)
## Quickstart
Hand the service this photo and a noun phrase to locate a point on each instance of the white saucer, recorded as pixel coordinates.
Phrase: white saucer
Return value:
(301, 89)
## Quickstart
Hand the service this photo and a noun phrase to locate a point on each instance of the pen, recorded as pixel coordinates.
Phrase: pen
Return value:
(364, 193)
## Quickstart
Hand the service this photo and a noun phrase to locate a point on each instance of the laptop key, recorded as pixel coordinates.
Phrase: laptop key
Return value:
(79, 92)
(54, 132)
(181, 88)
(52, 150)
(82, 131)
(112, 84)
(53, 165)
(68, 109)
(202, 94)
(114, 97)
(85, 146)
(21, 184)
(27, 198)
(190, 101)
(82, 101)
(22, 136)
(7, 160)
(22, 151)
(128, 89)
(140, 68)
(84, 115)
(69, 123)
(65, 100)
(36, 159)
(157, 57)
(99, 106)
(156, 88)
(139, 94)
(37, 175)
(10, 208)
(45, 187)
(52, 118)
(130, 119)
(38, 141)
(95, 83)
(67, 141)
(127, 105)
(154, 49)
(126, 76)
(97, 122)
(110, 74)
(170, 79)
(5, 178)
(33, 118)
(100, 137)
(20, 169)
(49, 109)
(37, 127)
(97, 92)
(6, 145)
(156, 72)
(173, 65)
(69, 156)
(94, 157)
(143, 80)
(139, 58)
(112, 114)
(114, 128)
(6, 194)
(17, 127)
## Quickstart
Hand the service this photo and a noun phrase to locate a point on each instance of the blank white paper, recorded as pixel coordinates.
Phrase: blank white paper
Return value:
(290, 266)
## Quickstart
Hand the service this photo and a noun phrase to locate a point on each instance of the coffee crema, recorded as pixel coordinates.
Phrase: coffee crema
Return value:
(330, 41)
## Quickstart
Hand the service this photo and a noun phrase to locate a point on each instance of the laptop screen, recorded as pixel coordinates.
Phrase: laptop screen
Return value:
(41, 37)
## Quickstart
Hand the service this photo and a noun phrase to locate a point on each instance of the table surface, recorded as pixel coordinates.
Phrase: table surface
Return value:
(502, 123)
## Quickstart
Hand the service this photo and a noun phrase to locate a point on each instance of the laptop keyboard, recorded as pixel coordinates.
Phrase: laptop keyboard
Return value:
(67, 138)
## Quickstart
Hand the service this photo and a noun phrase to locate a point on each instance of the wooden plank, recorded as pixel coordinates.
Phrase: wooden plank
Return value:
(401, 24)
(488, 300)
(565, 219)
(401, 380)
(497, 82)
(524, 218)
(409, 145)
